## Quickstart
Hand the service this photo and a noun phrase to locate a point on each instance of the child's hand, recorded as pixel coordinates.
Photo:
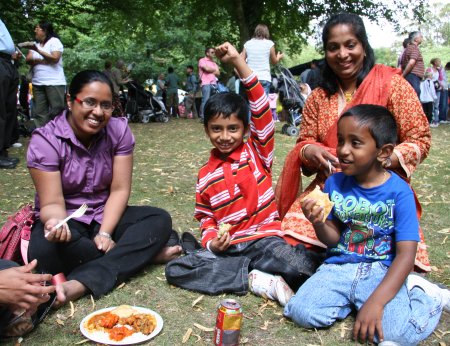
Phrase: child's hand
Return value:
(227, 53)
(219, 245)
(368, 322)
(313, 212)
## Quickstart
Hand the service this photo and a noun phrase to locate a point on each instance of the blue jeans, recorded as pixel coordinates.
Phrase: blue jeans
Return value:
(334, 290)
(443, 105)
(206, 94)
(266, 85)
(414, 80)
(436, 116)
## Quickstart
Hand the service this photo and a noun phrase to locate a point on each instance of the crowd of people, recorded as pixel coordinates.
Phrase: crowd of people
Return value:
(363, 134)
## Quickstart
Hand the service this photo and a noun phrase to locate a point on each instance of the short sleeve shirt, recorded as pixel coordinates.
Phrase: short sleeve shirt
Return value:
(86, 174)
(372, 219)
(49, 74)
(413, 52)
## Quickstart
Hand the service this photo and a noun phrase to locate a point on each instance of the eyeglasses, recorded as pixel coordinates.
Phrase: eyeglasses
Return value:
(90, 104)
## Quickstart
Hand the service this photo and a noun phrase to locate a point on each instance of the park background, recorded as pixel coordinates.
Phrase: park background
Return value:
(158, 34)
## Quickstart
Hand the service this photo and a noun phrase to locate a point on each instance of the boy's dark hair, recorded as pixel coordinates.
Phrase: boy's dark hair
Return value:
(190, 66)
(170, 69)
(379, 121)
(226, 104)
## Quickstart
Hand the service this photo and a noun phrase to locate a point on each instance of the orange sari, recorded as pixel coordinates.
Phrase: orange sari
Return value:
(383, 86)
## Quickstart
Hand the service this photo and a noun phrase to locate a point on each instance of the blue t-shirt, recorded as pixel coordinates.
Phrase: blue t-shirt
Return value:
(372, 219)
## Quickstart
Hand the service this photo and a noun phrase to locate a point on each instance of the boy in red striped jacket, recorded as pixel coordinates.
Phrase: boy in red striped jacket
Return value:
(234, 189)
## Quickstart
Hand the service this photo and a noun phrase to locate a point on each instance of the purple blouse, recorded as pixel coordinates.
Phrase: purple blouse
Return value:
(86, 174)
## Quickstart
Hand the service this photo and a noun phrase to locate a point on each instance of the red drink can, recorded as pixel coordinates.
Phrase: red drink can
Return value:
(228, 323)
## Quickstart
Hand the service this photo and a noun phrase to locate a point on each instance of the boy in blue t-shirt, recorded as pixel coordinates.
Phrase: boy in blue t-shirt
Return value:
(371, 235)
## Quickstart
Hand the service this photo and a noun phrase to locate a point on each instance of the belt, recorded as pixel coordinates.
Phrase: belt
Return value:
(5, 56)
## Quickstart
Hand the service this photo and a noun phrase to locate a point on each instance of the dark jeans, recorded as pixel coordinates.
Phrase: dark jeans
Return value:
(414, 80)
(141, 233)
(443, 105)
(208, 273)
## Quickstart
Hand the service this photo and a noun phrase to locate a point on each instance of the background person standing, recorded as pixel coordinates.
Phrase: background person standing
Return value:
(49, 82)
(413, 67)
(9, 80)
(208, 72)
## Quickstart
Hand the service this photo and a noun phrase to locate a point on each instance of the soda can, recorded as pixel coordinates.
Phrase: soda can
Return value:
(228, 323)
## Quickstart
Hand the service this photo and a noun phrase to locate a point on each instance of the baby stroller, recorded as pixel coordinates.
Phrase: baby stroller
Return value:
(291, 99)
(142, 106)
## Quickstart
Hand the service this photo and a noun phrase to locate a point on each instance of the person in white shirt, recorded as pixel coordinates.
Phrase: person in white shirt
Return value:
(428, 96)
(259, 52)
(49, 82)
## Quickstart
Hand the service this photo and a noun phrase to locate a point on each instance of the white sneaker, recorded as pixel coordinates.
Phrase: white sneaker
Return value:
(269, 286)
(389, 343)
(433, 290)
(17, 145)
(433, 124)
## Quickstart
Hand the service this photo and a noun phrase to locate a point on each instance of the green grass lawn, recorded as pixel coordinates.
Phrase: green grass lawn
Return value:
(167, 158)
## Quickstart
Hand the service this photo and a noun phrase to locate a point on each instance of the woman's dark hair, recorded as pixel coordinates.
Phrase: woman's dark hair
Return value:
(48, 29)
(225, 104)
(378, 120)
(86, 77)
(329, 79)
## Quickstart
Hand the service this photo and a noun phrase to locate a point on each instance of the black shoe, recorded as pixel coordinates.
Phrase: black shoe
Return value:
(6, 163)
(174, 239)
(189, 243)
(14, 160)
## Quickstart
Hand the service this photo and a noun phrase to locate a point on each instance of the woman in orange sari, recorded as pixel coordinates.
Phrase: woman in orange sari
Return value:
(350, 77)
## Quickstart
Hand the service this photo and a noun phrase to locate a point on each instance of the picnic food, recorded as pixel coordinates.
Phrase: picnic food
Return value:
(322, 199)
(223, 228)
(121, 322)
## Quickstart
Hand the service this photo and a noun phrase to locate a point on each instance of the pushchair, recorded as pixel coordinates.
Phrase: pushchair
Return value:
(291, 99)
(142, 107)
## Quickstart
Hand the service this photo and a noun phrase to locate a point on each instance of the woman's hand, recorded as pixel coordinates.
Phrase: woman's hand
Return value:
(219, 245)
(103, 242)
(321, 159)
(57, 235)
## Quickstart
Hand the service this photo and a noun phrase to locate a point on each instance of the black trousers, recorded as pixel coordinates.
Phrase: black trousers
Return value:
(141, 233)
(9, 80)
(428, 110)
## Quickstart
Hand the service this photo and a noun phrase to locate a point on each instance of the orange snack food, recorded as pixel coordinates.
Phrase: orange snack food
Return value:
(119, 333)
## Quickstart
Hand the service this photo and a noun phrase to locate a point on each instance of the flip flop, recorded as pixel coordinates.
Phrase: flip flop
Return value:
(21, 325)
(189, 243)
(174, 239)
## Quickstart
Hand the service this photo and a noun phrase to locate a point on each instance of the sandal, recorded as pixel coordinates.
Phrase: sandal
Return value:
(189, 243)
(21, 325)
(174, 239)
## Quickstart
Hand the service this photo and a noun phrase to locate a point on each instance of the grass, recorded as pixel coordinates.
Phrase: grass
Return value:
(167, 158)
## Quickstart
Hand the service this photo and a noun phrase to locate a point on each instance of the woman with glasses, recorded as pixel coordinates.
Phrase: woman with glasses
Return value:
(82, 156)
(49, 82)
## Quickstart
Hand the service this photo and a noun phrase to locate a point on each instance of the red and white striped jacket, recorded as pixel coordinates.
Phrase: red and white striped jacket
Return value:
(239, 191)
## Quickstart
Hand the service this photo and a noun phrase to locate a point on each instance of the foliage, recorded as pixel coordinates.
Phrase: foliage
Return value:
(159, 33)
(167, 158)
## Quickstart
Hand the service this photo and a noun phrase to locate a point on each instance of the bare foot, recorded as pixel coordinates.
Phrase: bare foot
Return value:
(68, 291)
(167, 254)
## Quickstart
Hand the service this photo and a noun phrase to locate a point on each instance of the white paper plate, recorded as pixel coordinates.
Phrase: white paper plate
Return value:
(136, 338)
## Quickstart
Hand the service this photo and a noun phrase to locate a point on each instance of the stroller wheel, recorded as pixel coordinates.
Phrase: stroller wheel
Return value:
(145, 118)
(164, 118)
(284, 129)
(292, 131)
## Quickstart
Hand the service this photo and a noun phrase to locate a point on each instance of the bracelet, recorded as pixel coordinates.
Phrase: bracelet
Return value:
(104, 234)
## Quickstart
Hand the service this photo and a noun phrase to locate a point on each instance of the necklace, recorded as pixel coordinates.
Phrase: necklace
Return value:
(348, 95)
